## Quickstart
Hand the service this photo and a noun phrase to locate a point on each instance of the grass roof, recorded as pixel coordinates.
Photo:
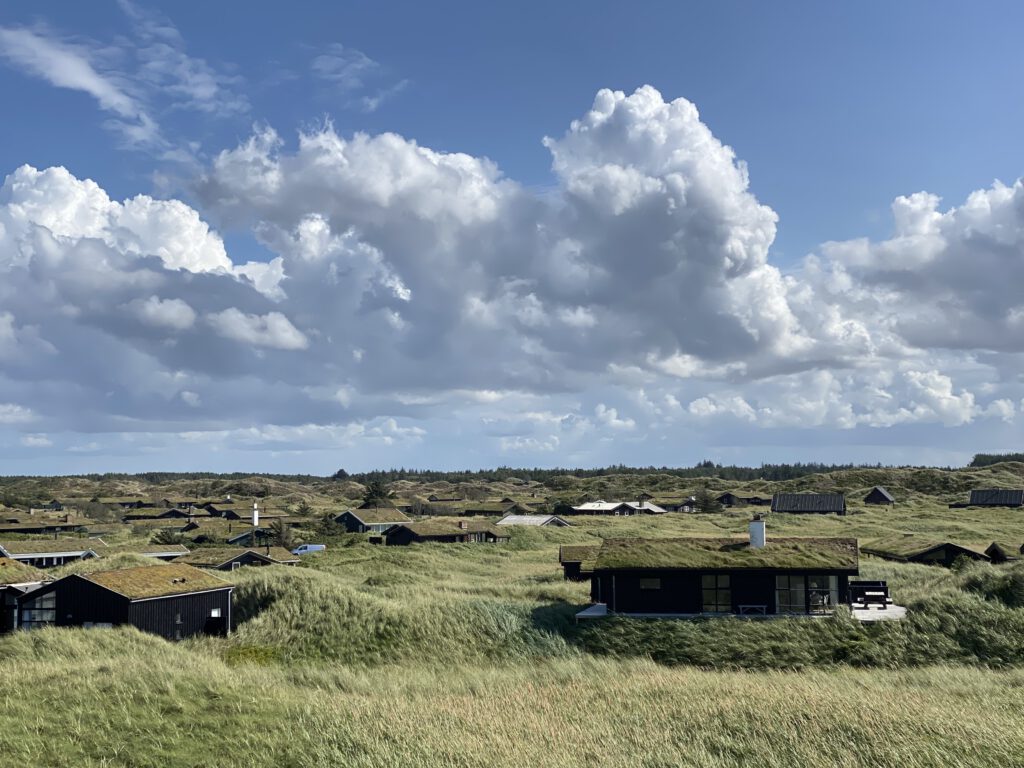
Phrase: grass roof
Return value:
(690, 553)
(34, 546)
(577, 553)
(449, 527)
(13, 572)
(141, 549)
(156, 580)
(378, 515)
(905, 547)
(212, 557)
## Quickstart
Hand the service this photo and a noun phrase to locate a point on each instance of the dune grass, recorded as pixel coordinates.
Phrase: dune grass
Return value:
(137, 701)
(467, 655)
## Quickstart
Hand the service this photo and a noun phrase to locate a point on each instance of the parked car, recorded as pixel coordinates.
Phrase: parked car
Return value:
(305, 549)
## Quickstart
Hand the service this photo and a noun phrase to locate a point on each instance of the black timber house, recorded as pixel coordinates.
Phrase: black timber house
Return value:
(173, 600)
(724, 576)
(371, 519)
(996, 497)
(446, 531)
(813, 503)
(919, 549)
(878, 495)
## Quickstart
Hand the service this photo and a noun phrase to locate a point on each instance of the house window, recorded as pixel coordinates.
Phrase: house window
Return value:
(822, 593)
(39, 612)
(716, 595)
(790, 594)
(215, 613)
(651, 583)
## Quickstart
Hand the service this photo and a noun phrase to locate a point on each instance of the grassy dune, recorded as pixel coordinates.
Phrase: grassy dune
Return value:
(137, 701)
(467, 655)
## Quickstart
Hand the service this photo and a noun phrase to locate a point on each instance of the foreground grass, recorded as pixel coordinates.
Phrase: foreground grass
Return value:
(137, 701)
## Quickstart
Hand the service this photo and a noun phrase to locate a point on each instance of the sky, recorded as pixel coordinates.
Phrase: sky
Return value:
(310, 236)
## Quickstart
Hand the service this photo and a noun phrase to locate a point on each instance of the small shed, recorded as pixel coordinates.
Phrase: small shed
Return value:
(878, 495)
(172, 600)
(812, 503)
(1002, 552)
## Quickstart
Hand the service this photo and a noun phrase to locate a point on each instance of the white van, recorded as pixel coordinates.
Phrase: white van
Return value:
(305, 549)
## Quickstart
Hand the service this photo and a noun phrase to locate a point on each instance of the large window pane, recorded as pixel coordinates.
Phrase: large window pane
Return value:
(716, 596)
(790, 595)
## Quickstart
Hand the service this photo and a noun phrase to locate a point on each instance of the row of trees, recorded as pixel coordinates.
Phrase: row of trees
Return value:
(705, 468)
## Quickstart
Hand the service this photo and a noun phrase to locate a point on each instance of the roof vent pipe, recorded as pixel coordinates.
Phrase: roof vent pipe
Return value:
(757, 533)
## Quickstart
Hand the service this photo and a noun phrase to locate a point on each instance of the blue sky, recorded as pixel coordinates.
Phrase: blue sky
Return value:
(499, 298)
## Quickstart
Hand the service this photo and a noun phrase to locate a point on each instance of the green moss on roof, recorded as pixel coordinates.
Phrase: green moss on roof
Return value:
(212, 557)
(905, 547)
(156, 580)
(450, 527)
(697, 552)
(13, 572)
(33, 546)
(379, 515)
(577, 553)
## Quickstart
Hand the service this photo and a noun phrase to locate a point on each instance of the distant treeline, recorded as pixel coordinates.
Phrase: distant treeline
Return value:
(158, 478)
(988, 459)
(702, 469)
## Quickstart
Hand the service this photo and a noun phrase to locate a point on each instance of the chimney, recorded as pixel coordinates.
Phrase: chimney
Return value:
(255, 514)
(757, 535)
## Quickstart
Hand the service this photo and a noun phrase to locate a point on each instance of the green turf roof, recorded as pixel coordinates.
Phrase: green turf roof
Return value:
(694, 552)
(577, 553)
(13, 572)
(905, 547)
(379, 515)
(213, 557)
(156, 580)
(449, 527)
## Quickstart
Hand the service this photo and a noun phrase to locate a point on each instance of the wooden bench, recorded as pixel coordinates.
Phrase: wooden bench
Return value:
(753, 610)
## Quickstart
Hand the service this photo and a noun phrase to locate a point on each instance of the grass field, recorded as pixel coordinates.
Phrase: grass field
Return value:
(467, 655)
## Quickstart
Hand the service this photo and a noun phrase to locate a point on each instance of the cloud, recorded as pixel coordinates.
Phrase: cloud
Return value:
(36, 441)
(67, 65)
(164, 313)
(11, 413)
(344, 68)
(411, 289)
(610, 418)
(348, 72)
(133, 79)
(270, 330)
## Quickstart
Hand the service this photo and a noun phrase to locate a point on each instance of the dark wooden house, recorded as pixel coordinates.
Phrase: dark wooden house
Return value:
(372, 520)
(173, 600)
(49, 553)
(878, 495)
(15, 580)
(447, 531)
(1002, 552)
(996, 497)
(572, 558)
(919, 549)
(715, 576)
(813, 503)
(729, 499)
(232, 558)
